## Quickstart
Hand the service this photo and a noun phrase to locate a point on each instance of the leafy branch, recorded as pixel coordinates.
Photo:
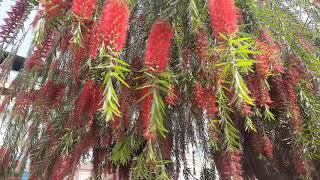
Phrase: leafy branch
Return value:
(113, 69)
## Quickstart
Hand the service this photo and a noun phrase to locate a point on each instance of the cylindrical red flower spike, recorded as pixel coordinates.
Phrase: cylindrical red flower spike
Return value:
(158, 46)
(83, 8)
(41, 52)
(231, 166)
(146, 106)
(202, 46)
(223, 15)
(114, 23)
(205, 98)
(262, 144)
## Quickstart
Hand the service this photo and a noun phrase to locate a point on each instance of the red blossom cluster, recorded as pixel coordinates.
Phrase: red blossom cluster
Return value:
(166, 147)
(83, 8)
(158, 46)
(16, 17)
(146, 106)
(22, 103)
(306, 45)
(61, 168)
(270, 51)
(300, 165)
(278, 92)
(263, 59)
(114, 23)
(258, 90)
(223, 17)
(52, 93)
(37, 59)
(54, 8)
(120, 124)
(245, 110)
(293, 106)
(231, 166)
(172, 96)
(205, 98)
(262, 144)
(86, 106)
(202, 46)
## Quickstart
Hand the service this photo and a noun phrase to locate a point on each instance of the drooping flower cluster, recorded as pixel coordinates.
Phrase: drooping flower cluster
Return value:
(52, 93)
(300, 165)
(258, 90)
(86, 106)
(37, 59)
(54, 8)
(172, 96)
(113, 24)
(262, 144)
(223, 16)
(14, 22)
(306, 45)
(83, 8)
(202, 46)
(61, 168)
(146, 106)
(231, 165)
(158, 46)
(205, 98)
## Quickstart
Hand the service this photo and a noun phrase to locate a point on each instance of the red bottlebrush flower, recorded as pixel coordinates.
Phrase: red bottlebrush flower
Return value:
(61, 168)
(54, 8)
(258, 90)
(86, 141)
(245, 110)
(23, 103)
(83, 8)
(166, 147)
(41, 52)
(205, 98)
(278, 92)
(158, 46)
(266, 36)
(14, 22)
(120, 124)
(223, 17)
(306, 45)
(146, 106)
(172, 96)
(113, 24)
(53, 93)
(86, 106)
(263, 59)
(299, 164)
(231, 166)
(202, 46)
(262, 144)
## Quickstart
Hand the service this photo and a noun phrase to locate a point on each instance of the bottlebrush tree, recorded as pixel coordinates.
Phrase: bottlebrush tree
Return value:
(163, 89)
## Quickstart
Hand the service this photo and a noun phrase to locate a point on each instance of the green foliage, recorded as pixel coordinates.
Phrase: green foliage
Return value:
(113, 69)
(228, 130)
(310, 136)
(158, 84)
(121, 154)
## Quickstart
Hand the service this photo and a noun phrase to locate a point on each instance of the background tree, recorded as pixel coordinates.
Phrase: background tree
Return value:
(164, 89)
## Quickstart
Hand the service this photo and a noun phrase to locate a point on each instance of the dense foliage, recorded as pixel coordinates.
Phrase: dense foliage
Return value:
(163, 89)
